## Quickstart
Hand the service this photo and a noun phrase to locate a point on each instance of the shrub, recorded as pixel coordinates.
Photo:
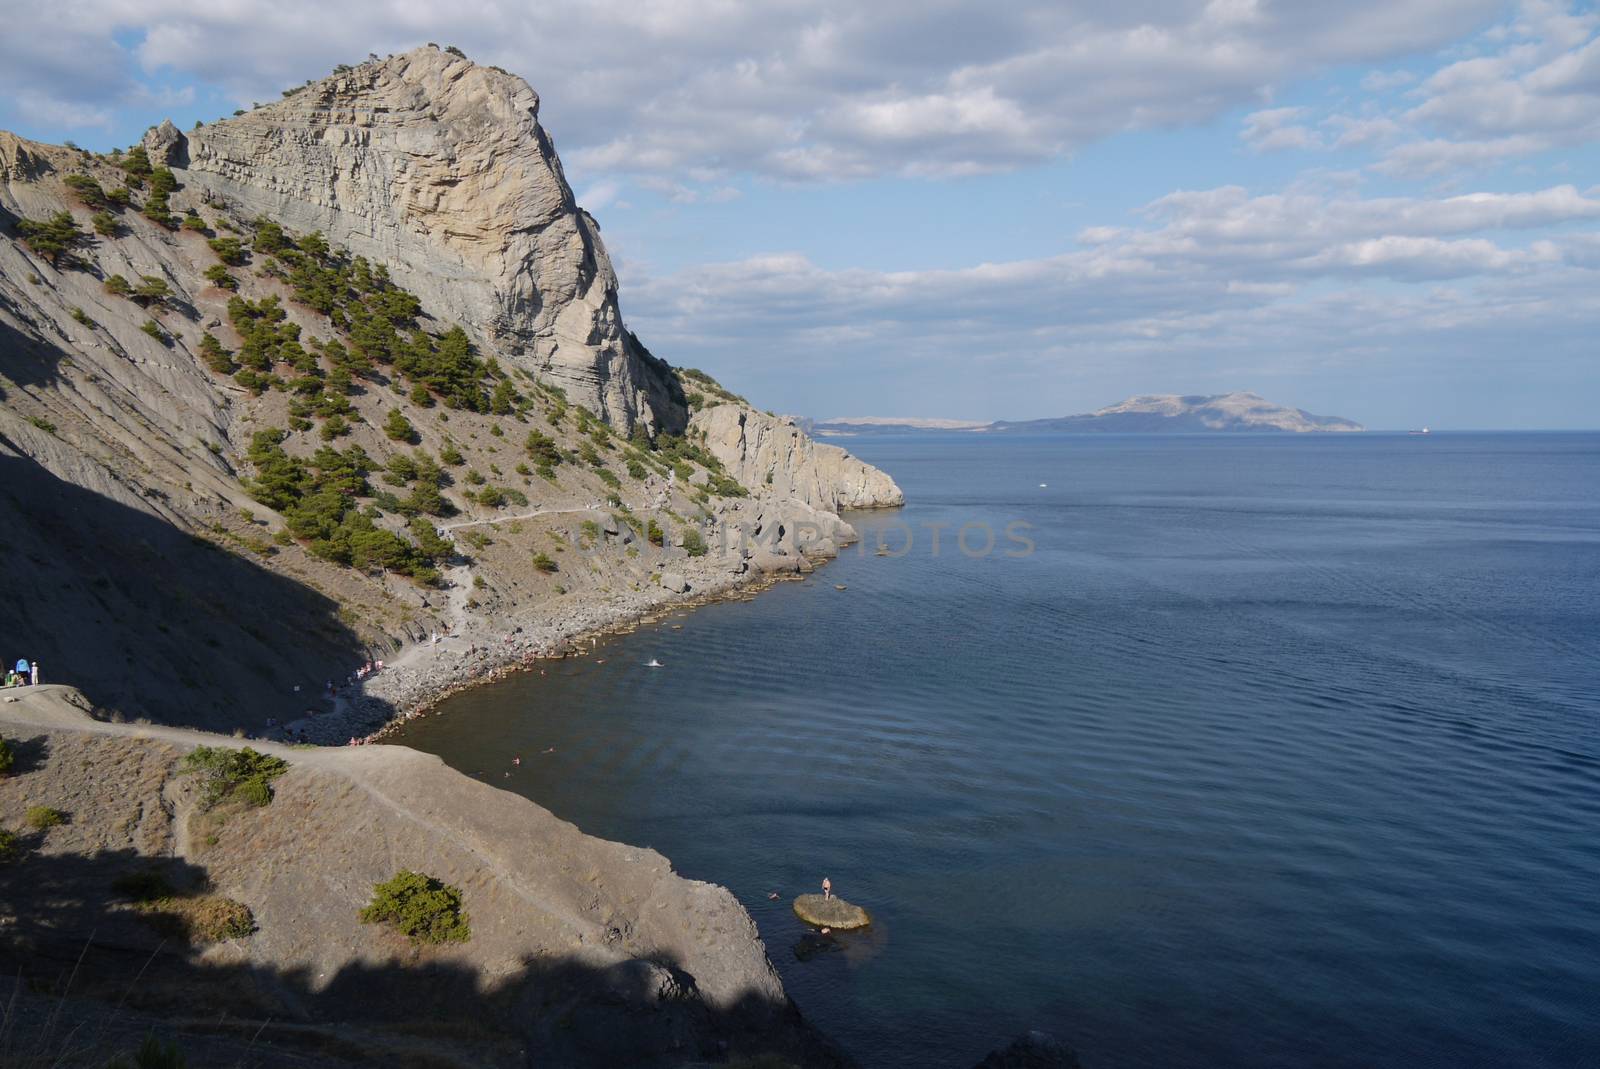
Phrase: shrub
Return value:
(118, 286)
(726, 486)
(52, 238)
(87, 190)
(451, 455)
(152, 289)
(80, 316)
(229, 250)
(152, 328)
(218, 276)
(195, 916)
(542, 450)
(194, 222)
(40, 817)
(654, 534)
(105, 224)
(216, 357)
(420, 907)
(543, 563)
(693, 544)
(398, 428)
(10, 846)
(226, 773)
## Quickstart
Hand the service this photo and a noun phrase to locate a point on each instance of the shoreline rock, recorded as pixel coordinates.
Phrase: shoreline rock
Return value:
(830, 912)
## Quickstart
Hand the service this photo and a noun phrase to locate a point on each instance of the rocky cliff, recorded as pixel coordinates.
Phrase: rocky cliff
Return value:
(773, 453)
(356, 356)
(438, 168)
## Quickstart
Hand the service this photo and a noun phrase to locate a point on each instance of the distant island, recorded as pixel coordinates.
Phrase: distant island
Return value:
(1146, 414)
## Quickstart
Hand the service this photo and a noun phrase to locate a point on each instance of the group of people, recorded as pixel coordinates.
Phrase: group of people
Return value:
(23, 674)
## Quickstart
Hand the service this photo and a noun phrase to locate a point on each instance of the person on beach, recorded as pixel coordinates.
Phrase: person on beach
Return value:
(35, 673)
(827, 887)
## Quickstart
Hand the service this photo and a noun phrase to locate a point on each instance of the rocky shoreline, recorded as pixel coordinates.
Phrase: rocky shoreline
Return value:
(424, 675)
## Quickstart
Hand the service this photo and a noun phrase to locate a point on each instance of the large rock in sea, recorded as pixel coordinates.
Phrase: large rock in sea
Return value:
(830, 912)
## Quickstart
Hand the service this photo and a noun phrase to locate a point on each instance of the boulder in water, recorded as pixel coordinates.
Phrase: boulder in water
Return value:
(830, 912)
(1033, 1050)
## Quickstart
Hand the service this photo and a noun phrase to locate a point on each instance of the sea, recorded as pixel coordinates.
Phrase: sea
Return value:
(1232, 750)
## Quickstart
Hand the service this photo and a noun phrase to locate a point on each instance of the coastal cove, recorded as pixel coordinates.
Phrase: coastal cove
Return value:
(1273, 749)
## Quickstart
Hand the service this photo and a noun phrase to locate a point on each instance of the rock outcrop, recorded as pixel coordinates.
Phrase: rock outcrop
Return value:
(439, 168)
(830, 912)
(770, 454)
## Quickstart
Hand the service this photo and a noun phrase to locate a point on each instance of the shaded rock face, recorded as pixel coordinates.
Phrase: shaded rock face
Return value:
(439, 168)
(772, 455)
(830, 912)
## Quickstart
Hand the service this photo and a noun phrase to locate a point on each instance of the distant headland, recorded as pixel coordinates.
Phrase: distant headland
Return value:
(1145, 414)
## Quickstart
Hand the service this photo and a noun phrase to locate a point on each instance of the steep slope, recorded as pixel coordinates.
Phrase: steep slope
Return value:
(361, 340)
(1159, 413)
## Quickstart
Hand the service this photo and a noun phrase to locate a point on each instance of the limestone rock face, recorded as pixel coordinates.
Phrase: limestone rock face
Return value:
(830, 912)
(438, 168)
(772, 455)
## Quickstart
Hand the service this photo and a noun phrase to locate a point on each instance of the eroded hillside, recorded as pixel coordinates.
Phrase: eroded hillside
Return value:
(299, 389)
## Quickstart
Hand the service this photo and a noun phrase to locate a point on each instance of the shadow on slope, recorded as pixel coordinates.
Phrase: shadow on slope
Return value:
(24, 359)
(151, 621)
(84, 977)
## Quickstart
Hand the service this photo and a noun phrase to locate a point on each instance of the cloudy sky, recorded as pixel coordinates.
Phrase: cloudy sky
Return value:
(1383, 209)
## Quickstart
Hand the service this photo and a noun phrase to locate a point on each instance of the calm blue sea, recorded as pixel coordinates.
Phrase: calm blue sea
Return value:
(1273, 751)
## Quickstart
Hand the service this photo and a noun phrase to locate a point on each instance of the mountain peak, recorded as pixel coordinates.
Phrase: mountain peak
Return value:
(439, 168)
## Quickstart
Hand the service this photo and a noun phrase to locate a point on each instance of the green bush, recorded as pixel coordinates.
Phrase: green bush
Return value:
(152, 328)
(118, 286)
(229, 250)
(654, 534)
(40, 817)
(542, 562)
(226, 773)
(52, 238)
(152, 289)
(10, 846)
(218, 276)
(87, 189)
(398, 428)
(420, 907)
(105, 224)
(693, 544)
(7, 758)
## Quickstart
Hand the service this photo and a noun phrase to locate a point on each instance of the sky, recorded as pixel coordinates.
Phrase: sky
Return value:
(1387, 210)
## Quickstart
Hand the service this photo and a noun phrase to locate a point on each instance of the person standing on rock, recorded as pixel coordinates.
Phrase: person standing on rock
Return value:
(827, 887)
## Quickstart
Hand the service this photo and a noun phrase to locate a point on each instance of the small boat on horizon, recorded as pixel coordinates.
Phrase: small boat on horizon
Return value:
(1421, 432)
(653, 663)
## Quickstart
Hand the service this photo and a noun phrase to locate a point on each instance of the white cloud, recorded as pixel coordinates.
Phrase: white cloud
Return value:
(1279, 128)
(1216, 280)
(793, 90)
